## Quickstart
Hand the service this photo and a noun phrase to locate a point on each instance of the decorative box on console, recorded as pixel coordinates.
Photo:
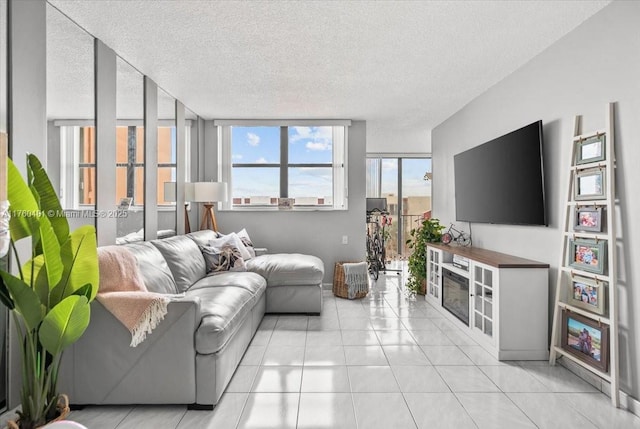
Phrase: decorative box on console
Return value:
(461, 262)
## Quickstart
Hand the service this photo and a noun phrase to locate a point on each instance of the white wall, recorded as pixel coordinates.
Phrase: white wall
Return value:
(397, 137)
(597, 63)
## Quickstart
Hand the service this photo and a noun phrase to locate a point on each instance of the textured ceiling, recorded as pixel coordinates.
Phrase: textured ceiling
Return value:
(403, 63)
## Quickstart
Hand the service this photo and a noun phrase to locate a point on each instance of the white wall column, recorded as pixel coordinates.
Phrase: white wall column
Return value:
(150, 159)
(181, 162)
(27, 122)
(105, 87)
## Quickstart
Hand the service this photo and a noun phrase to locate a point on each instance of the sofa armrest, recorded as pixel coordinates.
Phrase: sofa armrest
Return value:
(184, 302)
(261, 251)
(101, 368)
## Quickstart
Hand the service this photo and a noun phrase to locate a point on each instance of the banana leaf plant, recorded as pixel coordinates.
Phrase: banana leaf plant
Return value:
(50, 293)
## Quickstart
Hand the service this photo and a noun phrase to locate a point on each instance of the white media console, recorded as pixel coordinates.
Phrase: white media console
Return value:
(501, 300)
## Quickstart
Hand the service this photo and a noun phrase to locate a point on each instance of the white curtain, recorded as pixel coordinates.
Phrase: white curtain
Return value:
(4, 228)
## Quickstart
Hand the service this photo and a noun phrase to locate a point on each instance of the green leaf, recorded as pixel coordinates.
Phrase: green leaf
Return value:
(5, 297)
(85, 291)
(40, 282)
(49, 202)
(64, 324)
(23, 206)
(25, 299)
(80, 259)
(51, 252)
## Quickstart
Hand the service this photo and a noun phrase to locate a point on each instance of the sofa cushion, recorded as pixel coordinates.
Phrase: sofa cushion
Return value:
(223, 311)
(184, 259)
(202, 238)
(154, 269)
(288, 269)
(252, 282)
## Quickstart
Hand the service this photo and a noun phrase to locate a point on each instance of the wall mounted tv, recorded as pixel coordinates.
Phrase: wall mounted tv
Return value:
(502, 181)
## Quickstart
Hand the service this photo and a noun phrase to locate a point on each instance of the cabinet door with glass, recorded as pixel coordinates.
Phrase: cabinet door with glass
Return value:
(434, 273)
(485, 280)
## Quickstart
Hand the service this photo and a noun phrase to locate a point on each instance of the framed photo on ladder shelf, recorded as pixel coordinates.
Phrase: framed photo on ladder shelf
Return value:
(588, 219)
(587, 293)
(588, 255)
(590, 150)
(586, 339)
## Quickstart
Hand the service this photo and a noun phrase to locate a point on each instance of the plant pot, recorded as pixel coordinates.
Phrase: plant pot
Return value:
(63, 412)
(423, 287)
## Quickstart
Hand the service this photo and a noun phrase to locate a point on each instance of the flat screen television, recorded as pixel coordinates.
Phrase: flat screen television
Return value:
(377, 204)
(502, 181)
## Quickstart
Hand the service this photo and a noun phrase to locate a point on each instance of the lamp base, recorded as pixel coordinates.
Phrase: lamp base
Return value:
(209, 218)
(187, 224)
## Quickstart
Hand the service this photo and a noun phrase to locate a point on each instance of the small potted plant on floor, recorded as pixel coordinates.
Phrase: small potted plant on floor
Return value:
(50, 294)
(429, 231)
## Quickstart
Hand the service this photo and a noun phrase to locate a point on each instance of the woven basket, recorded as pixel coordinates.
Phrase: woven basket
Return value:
(340, 288)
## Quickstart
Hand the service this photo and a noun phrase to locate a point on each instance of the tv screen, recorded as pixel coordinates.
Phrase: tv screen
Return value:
(376, 204)
(502, 181)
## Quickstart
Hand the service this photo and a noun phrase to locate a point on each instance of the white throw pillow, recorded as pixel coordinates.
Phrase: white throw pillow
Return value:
(222, 259)
(234, 241)
(244, 236)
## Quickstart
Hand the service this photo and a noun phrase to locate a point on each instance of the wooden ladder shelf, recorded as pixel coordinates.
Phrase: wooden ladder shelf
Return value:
(589, 168)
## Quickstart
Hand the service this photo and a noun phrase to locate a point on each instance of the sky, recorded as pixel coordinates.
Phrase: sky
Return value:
(261, 145)
(413, 171)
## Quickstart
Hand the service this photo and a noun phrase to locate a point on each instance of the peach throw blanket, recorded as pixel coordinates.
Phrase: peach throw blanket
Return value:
(123, 293)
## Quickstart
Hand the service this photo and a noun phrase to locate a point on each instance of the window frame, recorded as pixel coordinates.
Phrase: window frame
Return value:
(70, 165)
(338, 164)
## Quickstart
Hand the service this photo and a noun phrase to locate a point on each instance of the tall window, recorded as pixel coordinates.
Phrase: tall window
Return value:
(405, 183)
(265, 163)
(130, 163)
(166, 162)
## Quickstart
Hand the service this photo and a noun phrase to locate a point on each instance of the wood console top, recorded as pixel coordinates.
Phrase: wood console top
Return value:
(489, 257)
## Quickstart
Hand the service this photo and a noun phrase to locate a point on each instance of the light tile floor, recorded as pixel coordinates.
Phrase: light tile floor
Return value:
(386, 361)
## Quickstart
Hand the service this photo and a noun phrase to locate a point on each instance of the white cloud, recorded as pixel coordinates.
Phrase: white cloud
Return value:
(236, 156)
(389, 164)
(262, 160)
(318, 146)
(324, 134)
(253, 139)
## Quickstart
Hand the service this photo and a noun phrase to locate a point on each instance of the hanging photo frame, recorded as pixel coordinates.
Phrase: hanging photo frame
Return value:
(588, 255)
(587, 293)
(590, 185)
(588, 218)
(586, 339)
(591, 149)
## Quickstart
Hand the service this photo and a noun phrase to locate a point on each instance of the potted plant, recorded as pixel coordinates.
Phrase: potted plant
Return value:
(429, 231)
(50, 295)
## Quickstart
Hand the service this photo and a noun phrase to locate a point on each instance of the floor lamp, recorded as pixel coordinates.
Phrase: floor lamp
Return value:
(209, 193)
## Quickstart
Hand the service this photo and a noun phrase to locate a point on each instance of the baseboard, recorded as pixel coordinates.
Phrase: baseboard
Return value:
(627, 402)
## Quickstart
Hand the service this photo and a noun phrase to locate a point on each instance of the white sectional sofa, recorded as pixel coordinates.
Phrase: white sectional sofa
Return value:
(190, 357)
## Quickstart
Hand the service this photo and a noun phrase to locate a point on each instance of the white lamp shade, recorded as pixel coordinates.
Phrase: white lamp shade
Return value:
(170, 192)
(208, 192)
(188, 191)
